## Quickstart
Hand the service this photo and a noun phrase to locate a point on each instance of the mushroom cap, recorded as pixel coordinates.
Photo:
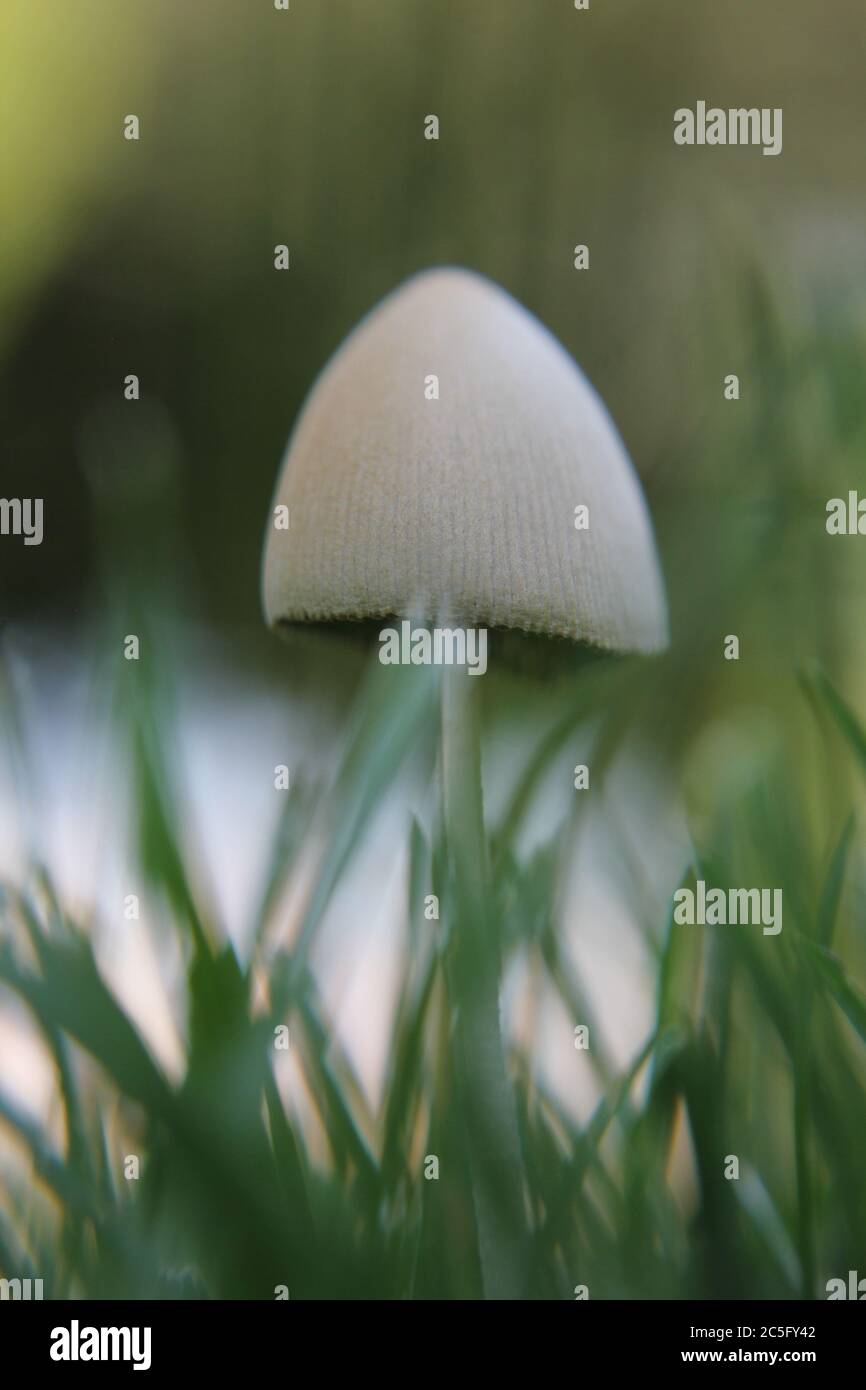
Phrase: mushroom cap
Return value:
(462, 507)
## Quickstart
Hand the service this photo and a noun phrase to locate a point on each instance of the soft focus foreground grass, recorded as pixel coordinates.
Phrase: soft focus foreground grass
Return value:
(757, 1049)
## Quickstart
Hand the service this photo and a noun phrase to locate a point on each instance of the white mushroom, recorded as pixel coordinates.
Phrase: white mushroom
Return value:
(459, 502)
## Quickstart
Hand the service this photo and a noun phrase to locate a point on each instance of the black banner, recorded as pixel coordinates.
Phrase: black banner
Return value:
(156, 1338)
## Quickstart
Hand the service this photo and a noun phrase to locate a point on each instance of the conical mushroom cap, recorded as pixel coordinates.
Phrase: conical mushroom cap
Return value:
(462, 507)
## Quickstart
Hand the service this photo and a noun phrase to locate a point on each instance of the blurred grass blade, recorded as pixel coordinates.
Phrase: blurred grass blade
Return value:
(821, 687)
(831, 892)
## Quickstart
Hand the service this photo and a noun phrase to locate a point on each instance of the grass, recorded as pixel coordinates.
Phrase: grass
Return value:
(757, 1049)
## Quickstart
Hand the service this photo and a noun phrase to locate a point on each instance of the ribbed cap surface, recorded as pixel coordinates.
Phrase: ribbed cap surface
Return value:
(462, 507)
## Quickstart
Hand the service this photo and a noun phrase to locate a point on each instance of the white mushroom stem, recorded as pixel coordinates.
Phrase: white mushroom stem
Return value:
(473, 976)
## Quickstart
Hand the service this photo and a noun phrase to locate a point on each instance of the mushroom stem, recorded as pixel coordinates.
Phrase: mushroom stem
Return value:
(473, 976)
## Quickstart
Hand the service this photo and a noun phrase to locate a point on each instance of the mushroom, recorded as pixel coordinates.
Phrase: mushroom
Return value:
(453, 462)
(462, 505)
